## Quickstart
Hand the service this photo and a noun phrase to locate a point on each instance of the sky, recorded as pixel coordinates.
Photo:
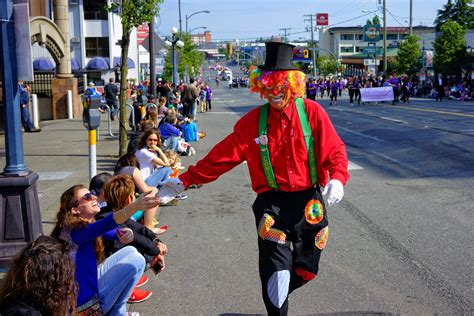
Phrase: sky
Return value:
(252, 19)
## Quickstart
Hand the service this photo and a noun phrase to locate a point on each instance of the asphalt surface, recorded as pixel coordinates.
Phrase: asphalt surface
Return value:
(400, 241)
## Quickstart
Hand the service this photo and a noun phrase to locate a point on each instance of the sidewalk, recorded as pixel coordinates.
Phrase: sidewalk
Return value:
(60, 155)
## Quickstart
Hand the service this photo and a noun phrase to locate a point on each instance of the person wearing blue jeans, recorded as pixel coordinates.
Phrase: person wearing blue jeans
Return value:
(25, 112)
(105, 285)
(157, 178)
(117, 277)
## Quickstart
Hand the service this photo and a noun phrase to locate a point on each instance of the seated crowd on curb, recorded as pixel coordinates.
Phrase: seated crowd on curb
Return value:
(107, 234)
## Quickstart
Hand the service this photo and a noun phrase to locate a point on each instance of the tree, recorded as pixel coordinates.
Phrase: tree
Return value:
(376, 20)
(408, 57)
(188, 55)
(133, 13)
(459, 12)
(326, 65)
(450, 49)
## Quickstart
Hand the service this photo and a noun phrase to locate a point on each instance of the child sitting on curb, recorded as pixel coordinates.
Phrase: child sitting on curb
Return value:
(175, 165)
(119, 192)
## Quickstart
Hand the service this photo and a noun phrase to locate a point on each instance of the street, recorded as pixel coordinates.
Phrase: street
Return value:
(400, 241)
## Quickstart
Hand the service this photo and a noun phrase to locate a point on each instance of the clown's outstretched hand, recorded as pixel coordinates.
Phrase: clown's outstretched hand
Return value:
(335, 191)
(170, 188)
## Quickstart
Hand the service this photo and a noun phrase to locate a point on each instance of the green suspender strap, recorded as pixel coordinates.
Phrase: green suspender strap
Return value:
(308, 135)
(264, 154)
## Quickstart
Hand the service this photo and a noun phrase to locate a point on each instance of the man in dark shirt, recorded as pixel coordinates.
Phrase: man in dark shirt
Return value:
(164, 90)
(111, 92)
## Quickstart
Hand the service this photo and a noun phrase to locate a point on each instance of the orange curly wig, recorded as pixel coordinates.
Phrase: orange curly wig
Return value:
(261, 79)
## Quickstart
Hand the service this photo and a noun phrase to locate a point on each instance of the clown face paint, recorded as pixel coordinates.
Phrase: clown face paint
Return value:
(278, 96)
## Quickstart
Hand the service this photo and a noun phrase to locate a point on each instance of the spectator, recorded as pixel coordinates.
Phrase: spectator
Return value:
(24, 91)
(111, 91)
(170, 133)
(128, 165)
(190, 131)
(40, 280)
(154, 165)
(208, 98)
(189, 97)
(135, 137)
(104, 285)
(439, 85)
(96, 184)
(91, 90)
(119, 193)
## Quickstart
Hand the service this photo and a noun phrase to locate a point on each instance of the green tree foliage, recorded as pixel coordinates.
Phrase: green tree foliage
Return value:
(326, 65)
(133, 13)
(408, 57)
(376, 20)
(450, 49)
(188, 55)
(459, 12)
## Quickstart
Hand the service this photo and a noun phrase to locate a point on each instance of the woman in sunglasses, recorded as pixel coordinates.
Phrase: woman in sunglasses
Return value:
(104, 285)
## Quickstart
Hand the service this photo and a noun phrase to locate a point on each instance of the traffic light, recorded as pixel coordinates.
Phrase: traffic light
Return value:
(306, 53)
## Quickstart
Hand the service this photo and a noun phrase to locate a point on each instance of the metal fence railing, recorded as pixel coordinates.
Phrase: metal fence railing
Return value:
(41, 85)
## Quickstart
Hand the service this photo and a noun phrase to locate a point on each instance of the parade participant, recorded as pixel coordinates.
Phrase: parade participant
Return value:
(292, 150)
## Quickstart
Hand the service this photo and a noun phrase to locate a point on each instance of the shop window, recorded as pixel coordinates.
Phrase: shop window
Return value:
(97, 47)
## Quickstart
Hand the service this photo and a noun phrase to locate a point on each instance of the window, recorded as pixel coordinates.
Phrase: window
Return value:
(347, 49)
(392, 37)
(347, 37)
(359, 49)
(402, 36)
(97, 47)
(359, 37)
(95, 10)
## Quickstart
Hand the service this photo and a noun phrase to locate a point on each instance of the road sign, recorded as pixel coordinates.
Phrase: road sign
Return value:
(322, 19)
(371, 33)
(142, 33)
(371, 62)
(371, 50)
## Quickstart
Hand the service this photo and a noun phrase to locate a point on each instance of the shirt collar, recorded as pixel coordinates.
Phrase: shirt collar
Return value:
(288, 111)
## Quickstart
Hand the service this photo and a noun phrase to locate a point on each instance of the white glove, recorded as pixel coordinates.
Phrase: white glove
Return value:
(169, 189)
(335, 191)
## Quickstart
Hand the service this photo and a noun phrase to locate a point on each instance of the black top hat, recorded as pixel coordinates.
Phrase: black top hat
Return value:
(278, 56)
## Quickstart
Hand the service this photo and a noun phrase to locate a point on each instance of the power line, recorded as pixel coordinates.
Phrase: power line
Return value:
(285, 29)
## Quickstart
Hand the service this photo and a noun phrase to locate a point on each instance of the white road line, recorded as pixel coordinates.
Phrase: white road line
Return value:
(354, 166)
(360, 134)
(393, 120)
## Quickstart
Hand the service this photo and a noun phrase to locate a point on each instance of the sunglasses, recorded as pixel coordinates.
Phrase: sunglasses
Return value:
(85, 198)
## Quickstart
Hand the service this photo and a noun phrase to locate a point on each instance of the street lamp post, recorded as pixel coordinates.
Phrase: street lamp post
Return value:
(196, 28)
(175, 41)
(189, 16)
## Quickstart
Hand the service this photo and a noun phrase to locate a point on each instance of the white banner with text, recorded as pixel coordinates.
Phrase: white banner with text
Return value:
(376, 94)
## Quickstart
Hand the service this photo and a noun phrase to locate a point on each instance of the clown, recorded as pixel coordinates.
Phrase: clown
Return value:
(292, 151)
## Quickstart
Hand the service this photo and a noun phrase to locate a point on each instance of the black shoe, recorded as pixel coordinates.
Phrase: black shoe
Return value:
(33, 130)
(112, 118)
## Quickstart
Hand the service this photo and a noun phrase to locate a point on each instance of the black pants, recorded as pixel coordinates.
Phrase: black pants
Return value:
(351, 96)
(440, 94)
(292, 232)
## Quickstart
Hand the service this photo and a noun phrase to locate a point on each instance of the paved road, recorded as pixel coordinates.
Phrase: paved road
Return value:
(400, 242)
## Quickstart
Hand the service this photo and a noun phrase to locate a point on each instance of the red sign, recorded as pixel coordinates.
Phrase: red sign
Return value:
(142, 33)
(322, 19)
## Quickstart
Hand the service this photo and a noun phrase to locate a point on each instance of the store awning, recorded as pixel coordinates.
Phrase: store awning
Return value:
(43, 63)
(130, 62)
(98, 63)
(74, 64)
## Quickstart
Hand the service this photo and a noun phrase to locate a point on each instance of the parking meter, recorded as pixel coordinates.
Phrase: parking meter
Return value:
(90, 113)
(91, 121)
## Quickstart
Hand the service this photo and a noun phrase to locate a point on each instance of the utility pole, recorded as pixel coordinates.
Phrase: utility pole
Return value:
(285, 29)
(313, 44)
(179, 9)
(385, 37)
(411, 17)
(151, 35)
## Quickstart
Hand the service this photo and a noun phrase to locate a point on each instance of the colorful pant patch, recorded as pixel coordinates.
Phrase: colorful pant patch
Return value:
(322, 237)
(314, 212)
(266, 232)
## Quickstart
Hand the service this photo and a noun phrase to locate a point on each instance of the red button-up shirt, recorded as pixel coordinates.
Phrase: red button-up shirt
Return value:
(286, 144)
